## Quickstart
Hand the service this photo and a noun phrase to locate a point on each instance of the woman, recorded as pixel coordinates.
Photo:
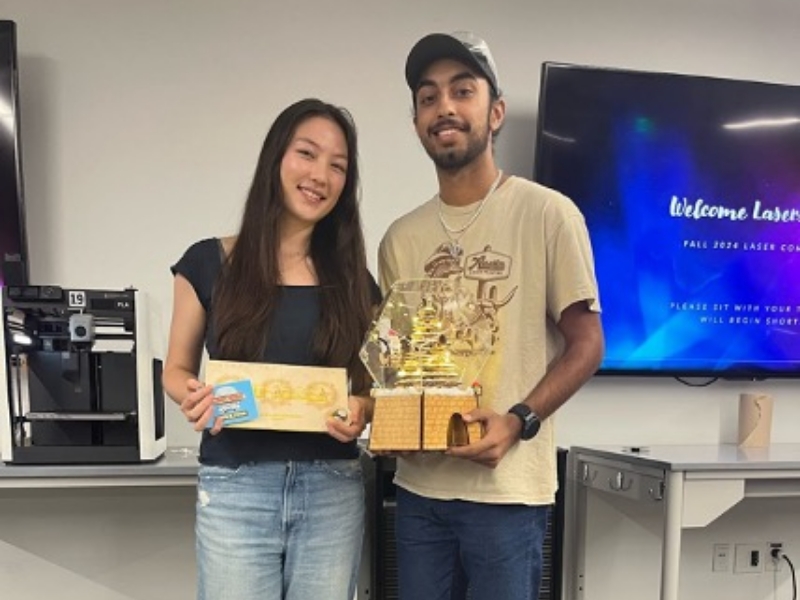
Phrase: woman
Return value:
(280, 514)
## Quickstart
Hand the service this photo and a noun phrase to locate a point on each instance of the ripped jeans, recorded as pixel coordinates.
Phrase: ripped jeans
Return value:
(279, 530)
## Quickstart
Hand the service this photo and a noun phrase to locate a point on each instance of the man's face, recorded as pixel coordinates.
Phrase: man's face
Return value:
(455, 116)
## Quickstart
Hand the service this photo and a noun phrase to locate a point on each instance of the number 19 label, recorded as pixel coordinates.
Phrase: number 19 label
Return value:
(77, 299)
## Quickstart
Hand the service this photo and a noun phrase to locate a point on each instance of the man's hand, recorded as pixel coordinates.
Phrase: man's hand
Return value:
(500, 433)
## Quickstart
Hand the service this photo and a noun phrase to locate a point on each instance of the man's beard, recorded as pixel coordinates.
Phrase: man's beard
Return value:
(451, 159)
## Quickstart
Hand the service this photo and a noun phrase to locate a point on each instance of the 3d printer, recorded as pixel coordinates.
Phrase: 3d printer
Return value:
(79, 382)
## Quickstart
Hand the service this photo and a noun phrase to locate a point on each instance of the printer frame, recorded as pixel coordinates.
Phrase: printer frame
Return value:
(79, 381)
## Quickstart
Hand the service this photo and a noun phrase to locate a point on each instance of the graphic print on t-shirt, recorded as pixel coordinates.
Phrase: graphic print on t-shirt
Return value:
(486, 268)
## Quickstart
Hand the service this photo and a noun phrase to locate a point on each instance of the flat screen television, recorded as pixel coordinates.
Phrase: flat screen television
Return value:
(13, 250)
(690, 187)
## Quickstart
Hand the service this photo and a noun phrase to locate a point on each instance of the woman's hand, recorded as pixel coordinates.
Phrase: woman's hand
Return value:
(349, 428)
(198, 406)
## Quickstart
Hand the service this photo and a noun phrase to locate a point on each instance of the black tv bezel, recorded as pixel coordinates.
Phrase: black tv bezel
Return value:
(739, 372)
(8, 29)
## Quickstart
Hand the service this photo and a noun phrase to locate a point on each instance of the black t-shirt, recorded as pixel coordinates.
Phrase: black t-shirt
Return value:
(289, 342)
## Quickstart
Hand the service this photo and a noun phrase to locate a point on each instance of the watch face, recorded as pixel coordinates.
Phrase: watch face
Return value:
(531, 426)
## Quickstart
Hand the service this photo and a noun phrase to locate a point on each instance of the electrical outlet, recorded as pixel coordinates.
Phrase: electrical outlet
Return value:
(770, 563)
(721, 558)
(749, 558)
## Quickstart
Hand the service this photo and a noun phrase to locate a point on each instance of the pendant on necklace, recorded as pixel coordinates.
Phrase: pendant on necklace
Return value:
(454, 250)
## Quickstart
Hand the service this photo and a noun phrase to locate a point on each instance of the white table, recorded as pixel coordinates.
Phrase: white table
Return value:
(99, 532)
(695, 484)
(177, 467)
(33, 572)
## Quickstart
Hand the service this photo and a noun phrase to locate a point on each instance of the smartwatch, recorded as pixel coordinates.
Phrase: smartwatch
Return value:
(530, 422)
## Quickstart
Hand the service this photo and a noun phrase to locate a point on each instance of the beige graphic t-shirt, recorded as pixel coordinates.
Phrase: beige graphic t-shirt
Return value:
(526, 257)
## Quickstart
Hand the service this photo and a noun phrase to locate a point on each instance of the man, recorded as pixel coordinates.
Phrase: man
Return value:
(479, 512)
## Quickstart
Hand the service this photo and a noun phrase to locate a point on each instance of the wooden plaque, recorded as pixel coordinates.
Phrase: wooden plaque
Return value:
(288, 397)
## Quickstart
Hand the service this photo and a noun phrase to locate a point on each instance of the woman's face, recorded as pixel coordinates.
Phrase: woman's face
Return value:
(314, 170)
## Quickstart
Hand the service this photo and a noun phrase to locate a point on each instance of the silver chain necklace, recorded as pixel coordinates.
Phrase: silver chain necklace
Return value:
(454, 234)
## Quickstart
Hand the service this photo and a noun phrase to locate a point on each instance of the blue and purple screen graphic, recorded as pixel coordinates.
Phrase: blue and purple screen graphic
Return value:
(691, 191)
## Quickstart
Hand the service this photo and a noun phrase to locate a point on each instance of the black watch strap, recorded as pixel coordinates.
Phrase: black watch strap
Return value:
(530, 422)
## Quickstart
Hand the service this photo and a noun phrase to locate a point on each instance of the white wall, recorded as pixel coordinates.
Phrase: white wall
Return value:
(141, 124)
(142, 121)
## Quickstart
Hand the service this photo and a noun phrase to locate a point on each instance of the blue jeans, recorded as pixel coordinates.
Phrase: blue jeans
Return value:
(445, 546)
(279, 530)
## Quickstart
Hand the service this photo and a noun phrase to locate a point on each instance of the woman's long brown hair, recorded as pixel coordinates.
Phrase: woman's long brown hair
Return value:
(247, 291)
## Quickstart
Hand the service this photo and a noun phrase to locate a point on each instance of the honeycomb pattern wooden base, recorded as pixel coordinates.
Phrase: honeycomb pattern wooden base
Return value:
(413, 423)
(436, 417)
(396, 423)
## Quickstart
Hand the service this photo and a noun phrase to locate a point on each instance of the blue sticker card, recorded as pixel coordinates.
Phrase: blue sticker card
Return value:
(234, 402)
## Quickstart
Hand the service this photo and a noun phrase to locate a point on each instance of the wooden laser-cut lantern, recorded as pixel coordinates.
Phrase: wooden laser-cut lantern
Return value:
(424, 352)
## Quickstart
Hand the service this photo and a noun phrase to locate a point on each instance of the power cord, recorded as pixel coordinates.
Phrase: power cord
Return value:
(696, 384)
(777, 554)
